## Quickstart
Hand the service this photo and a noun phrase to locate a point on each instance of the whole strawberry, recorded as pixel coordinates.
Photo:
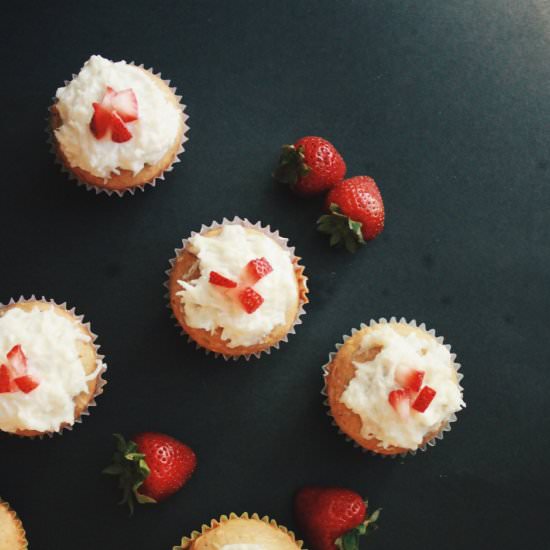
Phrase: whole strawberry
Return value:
(356, 213)
(332, 518)
(310, 166)
(151, 467)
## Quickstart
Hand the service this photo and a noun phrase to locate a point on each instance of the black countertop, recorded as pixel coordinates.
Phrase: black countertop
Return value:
(446, 105)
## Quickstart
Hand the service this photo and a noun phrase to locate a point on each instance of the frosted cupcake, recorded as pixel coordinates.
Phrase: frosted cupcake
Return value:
(237, 289)
(12, 534)
(50, 371)
(393, 387)
(241, 533)
(117, 126)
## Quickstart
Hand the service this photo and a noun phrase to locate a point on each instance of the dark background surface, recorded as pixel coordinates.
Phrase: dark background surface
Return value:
(446, 105)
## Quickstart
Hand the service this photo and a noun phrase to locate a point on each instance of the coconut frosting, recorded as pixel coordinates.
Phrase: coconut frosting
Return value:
(367, 393)
(153, 134)
(209, 308)
(242, 546)
(49, 341)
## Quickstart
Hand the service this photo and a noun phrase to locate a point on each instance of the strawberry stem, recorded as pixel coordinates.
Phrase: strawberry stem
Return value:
(350, 540)
(292, 165)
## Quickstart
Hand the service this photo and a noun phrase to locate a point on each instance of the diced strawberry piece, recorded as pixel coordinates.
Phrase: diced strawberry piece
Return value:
(26, 383)
(101, 121)
(258, 268)
(219, 280)
(250, 299)
(17, 360)
(400, 400)
(126, 105)
(425, 397)
(119, 132)
(108, 98)
(5, 379)
(410, 379)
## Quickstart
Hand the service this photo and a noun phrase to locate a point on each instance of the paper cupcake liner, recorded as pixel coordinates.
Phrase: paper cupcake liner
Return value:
(187, 541)
(18, 524)
(325, 368)
(283, 242)
(131, 190)
(100, 364)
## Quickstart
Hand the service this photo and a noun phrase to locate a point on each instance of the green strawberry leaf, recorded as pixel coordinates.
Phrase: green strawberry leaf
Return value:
(292, 165)
(350, 540)
(342, 230)
(131, 468)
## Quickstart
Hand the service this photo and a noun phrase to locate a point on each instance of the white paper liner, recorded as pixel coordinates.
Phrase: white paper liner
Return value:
(100, 363)
(446, 428)
(131, 190)
(283, 242)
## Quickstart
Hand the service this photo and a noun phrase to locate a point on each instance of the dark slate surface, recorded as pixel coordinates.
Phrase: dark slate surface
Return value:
(446, 105)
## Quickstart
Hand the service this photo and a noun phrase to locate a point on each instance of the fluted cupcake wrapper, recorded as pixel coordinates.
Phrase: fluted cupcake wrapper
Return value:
(299, 269)
(131, 190)
(24, 544)
(325, 369)
(101, 366)
(187, 541)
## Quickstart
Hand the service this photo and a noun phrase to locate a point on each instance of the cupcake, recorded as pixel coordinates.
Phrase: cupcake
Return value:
(241, 533)
(393, 388)
(117, 126)
(237, 289)
(12, 534)
(50, 371)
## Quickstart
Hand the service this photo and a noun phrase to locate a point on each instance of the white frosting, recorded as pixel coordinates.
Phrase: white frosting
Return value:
(153, 134)
(242, 546)
(208, 306)
(367, 393)
(49, 341)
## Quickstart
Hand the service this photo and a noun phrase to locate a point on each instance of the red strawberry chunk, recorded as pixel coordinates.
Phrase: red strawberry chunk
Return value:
(425, 397)
(400, 400)
(258, 268)
(119, 131)
(219, 280)
(26, 383)
(108, 98)
(101, 121)
(17, 360)
(5, 379)
(126, 105)
(250, 299)
(410, 379)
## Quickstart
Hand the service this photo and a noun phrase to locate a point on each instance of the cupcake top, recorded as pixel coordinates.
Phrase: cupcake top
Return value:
(242, 533)
(247, 285)
(12, 534)
(404, 391)
(148, 125)
(41, 368)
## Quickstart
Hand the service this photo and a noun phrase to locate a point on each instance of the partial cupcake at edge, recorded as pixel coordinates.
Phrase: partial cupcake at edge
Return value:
(245, 532)
(393, 387)
(50, 369)
(237, 289)
(116, 126)
(12, 533)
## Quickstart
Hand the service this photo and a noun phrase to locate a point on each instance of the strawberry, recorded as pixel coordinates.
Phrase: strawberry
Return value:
(151, 467)
(124, 103)
(400, 400)
(332, 518)
(26, 383)
(219, 280)
(108, 98)
(410, 379)
(5, 380)
(258, 268)
(355, 212)
(250, 299)
(425, 397)
(17, 361)
(310, 166)
(119, 131)
(101, 121)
